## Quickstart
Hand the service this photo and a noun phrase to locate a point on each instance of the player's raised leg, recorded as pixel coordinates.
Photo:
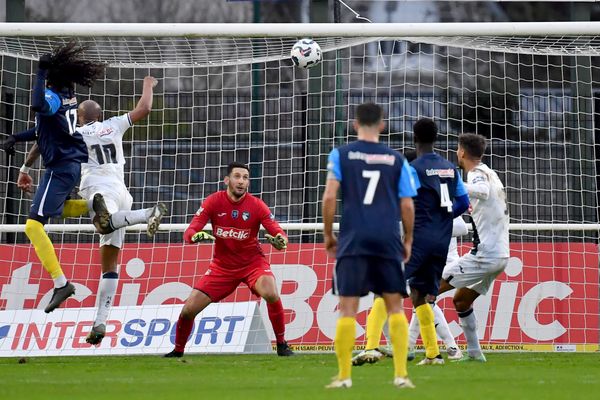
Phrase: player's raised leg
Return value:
(152, 216)
(265, 287)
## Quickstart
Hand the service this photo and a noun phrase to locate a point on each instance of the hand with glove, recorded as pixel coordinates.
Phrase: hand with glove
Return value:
(202, 236)
(8, 145)
(278, 241)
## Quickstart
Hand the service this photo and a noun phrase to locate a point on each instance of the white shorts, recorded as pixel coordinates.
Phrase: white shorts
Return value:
(474, 272)
(117, 198)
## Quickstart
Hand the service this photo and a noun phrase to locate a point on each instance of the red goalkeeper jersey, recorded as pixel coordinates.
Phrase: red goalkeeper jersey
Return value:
(235, 227)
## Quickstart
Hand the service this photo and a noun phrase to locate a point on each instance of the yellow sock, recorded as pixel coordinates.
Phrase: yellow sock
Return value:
(399, 335)
(43, 247)
(426, 320)
(375, 322)
(345, 333)
(75, 208)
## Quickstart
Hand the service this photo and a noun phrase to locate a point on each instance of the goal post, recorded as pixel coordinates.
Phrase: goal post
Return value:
(230, 92)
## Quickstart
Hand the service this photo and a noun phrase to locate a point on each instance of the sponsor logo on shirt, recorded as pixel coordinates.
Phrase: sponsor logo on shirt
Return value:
(221, 214)
(105, 131)
(245, 215)
(479, 178)
(69, 102)
(387, 159)
(234, 214)
(442, 173)
(232, 233)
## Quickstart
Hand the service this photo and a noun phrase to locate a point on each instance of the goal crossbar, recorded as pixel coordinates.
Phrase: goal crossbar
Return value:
(298, 29)
(292, 226)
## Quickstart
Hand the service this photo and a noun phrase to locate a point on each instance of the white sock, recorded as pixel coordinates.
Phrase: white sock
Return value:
(106, 295)
(441, 327)
(121, 219)
(60, 281)
(413, 330)
(386, 332)
(468, 322)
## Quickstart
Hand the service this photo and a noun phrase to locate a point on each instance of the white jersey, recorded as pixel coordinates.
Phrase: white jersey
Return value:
(489, 212)
(106, 162)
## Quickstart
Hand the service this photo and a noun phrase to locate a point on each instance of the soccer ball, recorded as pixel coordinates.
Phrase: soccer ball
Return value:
(306, 53)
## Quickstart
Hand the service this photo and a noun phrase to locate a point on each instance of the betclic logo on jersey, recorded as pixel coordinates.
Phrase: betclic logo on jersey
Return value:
(231, 233)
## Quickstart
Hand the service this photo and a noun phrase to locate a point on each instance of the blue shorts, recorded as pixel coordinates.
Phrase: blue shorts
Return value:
(359, 275)
(424, 270)
(55, 187)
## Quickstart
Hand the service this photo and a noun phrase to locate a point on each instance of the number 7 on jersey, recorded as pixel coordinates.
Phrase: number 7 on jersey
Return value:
(373, 177)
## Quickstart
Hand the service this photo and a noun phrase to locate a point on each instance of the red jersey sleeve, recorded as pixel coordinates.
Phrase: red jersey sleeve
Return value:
(267, 219)
(199, 220)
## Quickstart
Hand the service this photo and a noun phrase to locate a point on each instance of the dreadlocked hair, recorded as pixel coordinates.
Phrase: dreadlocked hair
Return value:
(68, 67)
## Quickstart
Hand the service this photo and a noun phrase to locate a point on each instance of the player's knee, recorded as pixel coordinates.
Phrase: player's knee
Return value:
(461, 304)
(271, 297)
(32, 227)
(188, 312)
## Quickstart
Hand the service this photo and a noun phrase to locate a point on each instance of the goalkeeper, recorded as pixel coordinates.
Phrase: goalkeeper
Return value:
(236, 217)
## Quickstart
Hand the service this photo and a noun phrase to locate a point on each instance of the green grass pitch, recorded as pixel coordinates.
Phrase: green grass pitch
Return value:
(505, 376)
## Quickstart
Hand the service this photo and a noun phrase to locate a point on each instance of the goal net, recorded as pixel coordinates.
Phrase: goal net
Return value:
(230, 92)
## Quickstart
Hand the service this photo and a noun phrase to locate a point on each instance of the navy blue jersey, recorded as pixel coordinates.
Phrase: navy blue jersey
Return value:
(372, 178)
(440, 184)
(57, 138)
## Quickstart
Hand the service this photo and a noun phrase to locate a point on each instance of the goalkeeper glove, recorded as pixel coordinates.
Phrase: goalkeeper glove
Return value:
(202, 236)
(278, 241)
(8, 145)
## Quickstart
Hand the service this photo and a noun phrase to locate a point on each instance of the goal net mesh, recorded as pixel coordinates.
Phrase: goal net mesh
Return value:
(225, 99)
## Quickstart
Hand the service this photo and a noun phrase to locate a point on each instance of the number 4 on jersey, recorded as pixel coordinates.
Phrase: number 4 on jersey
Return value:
(445, 200)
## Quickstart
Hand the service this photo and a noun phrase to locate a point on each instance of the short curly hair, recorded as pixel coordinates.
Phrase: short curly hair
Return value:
(474, 145)
(68, 67)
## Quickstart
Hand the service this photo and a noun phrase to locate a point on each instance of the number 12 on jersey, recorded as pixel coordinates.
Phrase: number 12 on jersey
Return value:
(373, 177)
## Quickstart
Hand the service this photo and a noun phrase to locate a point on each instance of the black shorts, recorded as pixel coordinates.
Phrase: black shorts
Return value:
(359, 275)
(424, 271)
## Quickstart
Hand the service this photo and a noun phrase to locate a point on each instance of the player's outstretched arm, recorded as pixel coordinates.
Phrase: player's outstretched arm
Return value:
(278, 241)
(24, 181)
(275, 235)
(193, 233)
(202, 237)
(39, 102)
(8, 145)
(144, 104)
